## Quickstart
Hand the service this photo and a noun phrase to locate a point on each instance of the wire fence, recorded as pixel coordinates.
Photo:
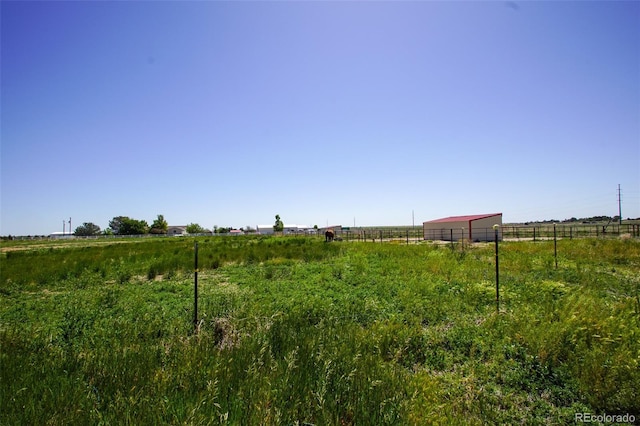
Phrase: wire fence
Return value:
(505, 232)
(547, 231)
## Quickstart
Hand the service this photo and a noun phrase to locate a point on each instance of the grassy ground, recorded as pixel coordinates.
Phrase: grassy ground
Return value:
(295, 331)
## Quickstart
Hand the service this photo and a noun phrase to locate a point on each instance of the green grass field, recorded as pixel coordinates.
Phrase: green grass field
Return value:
(296, 331)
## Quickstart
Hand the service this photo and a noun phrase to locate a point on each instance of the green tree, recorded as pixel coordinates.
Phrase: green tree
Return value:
(278, 226)
(127, 226)
(159, 226)
(194, 228)
(87, 229)
(116, 222)
(134, 227)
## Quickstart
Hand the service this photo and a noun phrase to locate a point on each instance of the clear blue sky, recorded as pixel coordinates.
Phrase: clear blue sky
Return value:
(228, 113)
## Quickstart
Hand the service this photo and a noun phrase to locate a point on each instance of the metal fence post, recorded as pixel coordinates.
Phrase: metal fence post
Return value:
(195, 289)
(555, 245)
(496, 227)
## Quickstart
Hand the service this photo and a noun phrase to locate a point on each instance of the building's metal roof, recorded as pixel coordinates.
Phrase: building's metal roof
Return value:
(467, 218)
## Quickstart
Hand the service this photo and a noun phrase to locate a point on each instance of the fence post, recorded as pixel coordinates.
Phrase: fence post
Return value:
(555, 245)
(496, 227)
(195, 289)
(534, 234)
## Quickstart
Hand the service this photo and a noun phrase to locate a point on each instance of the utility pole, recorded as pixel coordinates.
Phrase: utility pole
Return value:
(413, 225)
(619, 205)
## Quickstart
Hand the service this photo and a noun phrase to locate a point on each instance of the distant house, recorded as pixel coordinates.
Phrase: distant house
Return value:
(477, 227)
(296, 229)
(287, 229)
(236, 232)
(177, 230)
(264, 229)
(61, 235)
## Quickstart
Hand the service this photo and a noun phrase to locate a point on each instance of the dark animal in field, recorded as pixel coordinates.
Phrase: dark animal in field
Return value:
(329, 235)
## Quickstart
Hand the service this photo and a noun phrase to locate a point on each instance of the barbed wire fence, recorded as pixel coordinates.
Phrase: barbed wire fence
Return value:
(417, 234)
(507, 232)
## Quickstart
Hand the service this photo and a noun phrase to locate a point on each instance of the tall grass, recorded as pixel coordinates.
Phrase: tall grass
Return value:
(295, 331)
(123, 260)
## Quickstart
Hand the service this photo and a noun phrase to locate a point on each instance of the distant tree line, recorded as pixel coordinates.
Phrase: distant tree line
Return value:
(125, 225)
(584, 220)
